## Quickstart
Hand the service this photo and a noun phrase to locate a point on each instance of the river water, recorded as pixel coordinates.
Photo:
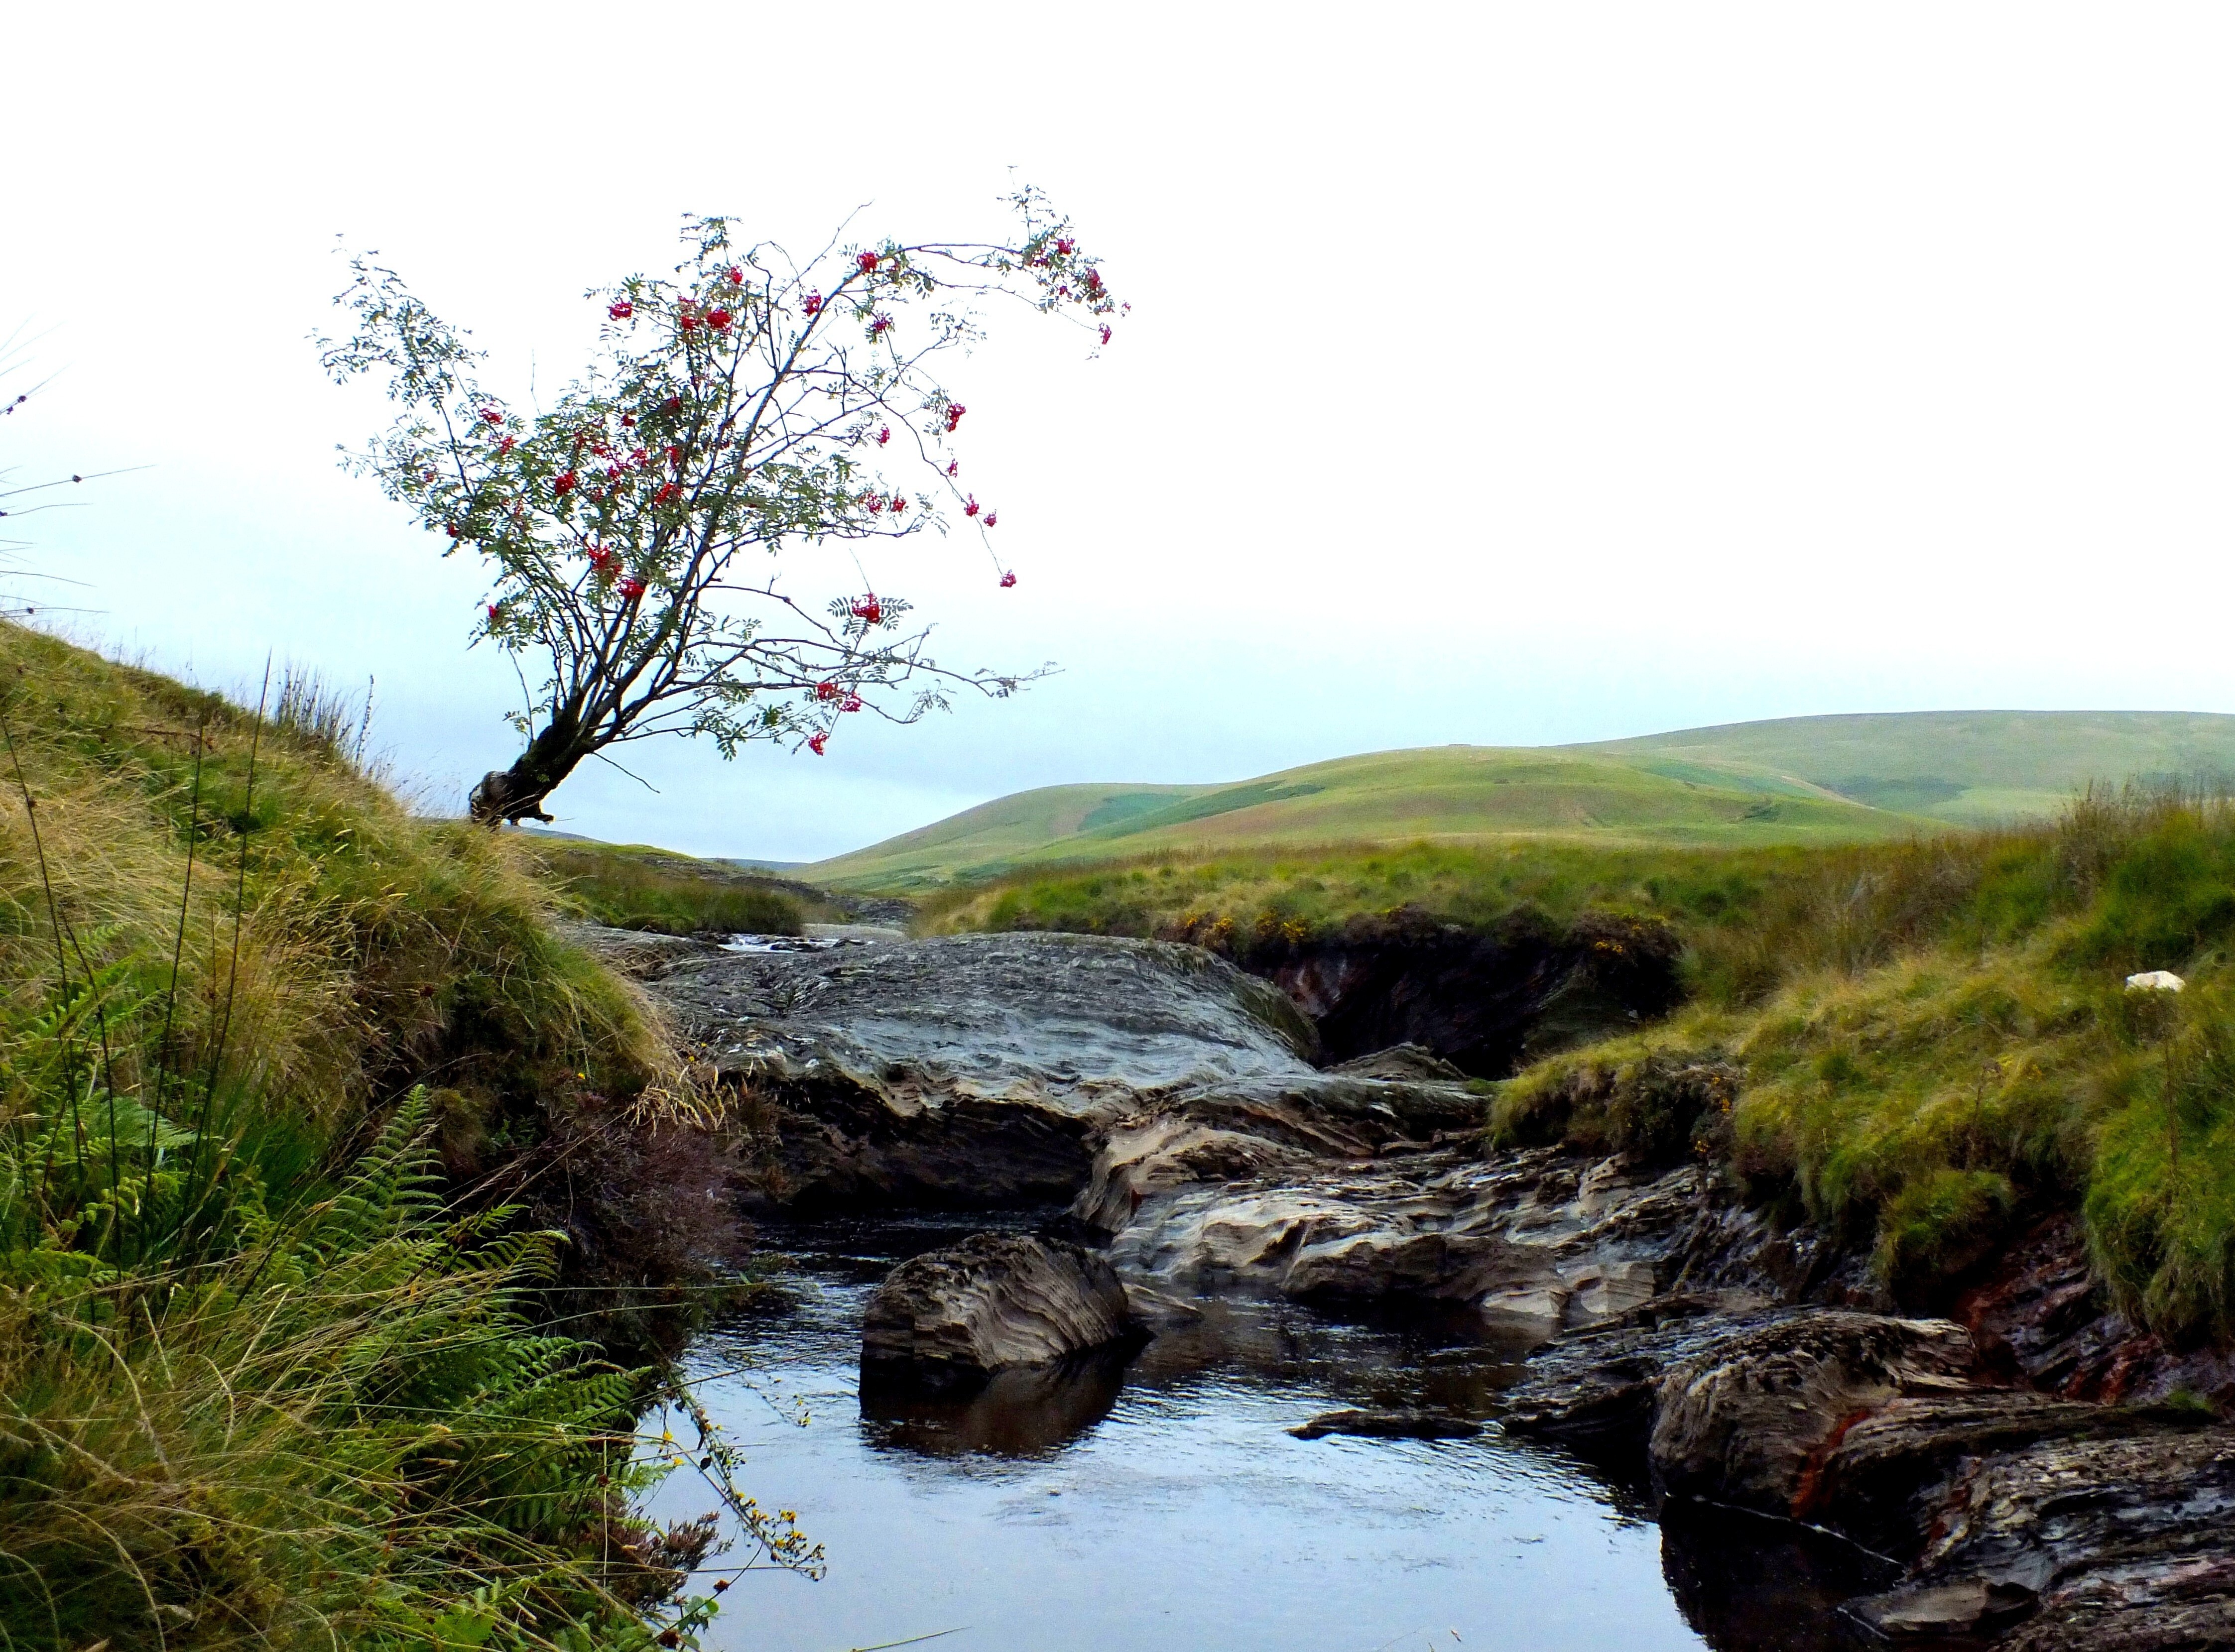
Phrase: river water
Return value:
(1163, 1504)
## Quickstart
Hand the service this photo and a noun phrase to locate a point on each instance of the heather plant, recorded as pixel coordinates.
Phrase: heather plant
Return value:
(644, 536)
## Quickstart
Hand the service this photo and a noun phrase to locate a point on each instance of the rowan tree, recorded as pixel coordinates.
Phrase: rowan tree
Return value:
(745, 418)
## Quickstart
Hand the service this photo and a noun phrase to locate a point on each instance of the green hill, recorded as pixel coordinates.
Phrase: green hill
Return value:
(1808, 779)
(1446, 794)
(1966, 767)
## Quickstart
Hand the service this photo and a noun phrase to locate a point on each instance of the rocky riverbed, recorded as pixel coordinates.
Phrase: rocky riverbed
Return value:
(2030, 1473)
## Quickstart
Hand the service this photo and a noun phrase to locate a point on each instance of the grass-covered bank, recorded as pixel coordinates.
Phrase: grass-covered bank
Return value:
(292, 1090)
(1924, 1045)
(631, 886)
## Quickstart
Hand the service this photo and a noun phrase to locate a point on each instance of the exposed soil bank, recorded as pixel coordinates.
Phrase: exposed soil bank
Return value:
(1487, 1001)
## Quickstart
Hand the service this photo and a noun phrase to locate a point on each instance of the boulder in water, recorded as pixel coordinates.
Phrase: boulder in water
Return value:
(950, 1319)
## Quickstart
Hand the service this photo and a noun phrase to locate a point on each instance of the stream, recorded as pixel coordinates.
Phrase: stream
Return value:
(1162, 1504)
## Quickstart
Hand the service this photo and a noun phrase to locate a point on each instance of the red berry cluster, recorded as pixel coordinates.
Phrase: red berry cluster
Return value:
(563, 483)
(620, 309)
(826, 691)
(1008, 578)
(853, 703)
(812, 304)
(955, 412)
(820, 739)
(867, 609)
(632, 588)
(867, 263)
(884, 434)
(490, 416)
(880, 325)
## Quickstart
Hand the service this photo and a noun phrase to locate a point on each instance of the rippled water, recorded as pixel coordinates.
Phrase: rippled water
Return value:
(1163, 1504)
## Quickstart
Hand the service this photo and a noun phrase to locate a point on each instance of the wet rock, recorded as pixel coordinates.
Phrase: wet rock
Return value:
(992, 1069)
(2086, 1544)
(1748, 1420)
(1594, 1393)
(950, 1319)
(1388, 1424)
(1538, 1241)
(1414, 1061)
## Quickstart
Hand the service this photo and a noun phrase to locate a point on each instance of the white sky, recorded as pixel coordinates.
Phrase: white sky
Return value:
(1496, 373)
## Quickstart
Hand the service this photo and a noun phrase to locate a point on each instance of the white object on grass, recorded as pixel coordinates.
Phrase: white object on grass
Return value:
(2155, 980)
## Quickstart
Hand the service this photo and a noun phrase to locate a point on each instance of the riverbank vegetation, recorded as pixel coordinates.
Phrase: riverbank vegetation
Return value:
(284, 1356)
(1923, 1044)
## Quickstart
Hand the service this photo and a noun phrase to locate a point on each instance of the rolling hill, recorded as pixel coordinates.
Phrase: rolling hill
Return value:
(1791, 780)
(1967, 767)
(1443, 793)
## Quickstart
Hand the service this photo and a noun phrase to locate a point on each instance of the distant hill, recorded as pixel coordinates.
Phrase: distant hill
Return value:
(1966, 767)
(1443, 793)
(1809, 779)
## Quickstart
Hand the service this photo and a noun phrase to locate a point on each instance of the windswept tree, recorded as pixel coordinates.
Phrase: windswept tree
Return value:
(635, 533)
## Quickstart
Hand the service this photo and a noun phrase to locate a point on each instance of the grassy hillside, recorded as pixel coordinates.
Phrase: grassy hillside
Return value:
(631, 886)
(262, 1382)
(1440, 795)
(1972, 767)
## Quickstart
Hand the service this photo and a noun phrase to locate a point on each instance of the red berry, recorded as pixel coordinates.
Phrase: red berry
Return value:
(866, 262)
(816, 744)
(628, 421)
(632, 587)
(953, 466)
(993, 518)
(620, 309)
(853, 703)
(496, 614)
(491, 415)
(505, 446)
(689, 322)
(879, 325)
(453, 529)
(868, 608)
(812, 304)
(563, 483)
(1008, 579)
(884, 434)
(667, 491)
(673, 404)
(826, 691)
(717, 320)
(971, 507)
(900, 503)
(736, 276)
(875, 501)
(1106, 332)
(1066, 247)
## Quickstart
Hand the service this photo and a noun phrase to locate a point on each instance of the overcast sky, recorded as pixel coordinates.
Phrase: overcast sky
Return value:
(1498, 374)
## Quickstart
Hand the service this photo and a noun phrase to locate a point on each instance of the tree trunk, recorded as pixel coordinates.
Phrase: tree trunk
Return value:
(510, 796)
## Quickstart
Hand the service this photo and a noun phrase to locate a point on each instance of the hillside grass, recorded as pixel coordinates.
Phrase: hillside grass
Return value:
(1922, 1045)
(630, 885)
(277, 1363)
(1969, 767)
(1452, 795)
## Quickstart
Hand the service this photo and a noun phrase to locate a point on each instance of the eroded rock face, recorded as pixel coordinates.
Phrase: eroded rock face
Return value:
(2079, 1544)
(1749, 1420)
(951, 1319)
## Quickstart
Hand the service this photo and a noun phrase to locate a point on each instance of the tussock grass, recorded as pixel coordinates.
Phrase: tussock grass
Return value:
(261, 1383)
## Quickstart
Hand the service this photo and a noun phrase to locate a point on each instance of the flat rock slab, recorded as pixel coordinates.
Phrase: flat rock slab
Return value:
(992, 1070)
(952, 1318)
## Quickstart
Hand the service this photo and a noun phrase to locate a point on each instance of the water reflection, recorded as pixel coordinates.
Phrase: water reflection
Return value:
(1161, 1503)
(1018, 1413)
